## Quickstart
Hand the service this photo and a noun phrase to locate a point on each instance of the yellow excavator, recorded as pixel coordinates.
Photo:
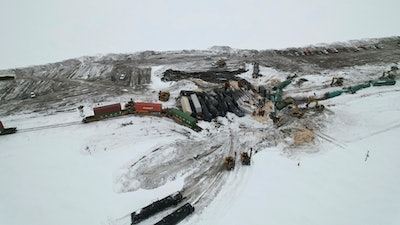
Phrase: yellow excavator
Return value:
(163, 96)
(289, 101)
(317, 106)
(337, 81)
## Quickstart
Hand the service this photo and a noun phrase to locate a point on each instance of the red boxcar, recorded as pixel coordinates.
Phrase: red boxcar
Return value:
(145, 107)
(107, 109)
(1, 126)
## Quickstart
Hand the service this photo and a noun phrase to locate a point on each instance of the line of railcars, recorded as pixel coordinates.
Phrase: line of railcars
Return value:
(143, 108)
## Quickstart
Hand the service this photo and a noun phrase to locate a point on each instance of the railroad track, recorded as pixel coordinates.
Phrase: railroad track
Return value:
(52, 126)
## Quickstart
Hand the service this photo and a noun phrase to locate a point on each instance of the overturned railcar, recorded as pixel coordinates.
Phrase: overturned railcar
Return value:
(177, 216)
(156, 207)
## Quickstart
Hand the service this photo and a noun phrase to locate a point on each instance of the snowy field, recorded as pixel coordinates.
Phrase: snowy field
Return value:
(77, 174)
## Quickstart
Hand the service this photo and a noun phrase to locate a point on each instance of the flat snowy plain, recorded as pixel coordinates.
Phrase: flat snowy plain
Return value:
(71, 175)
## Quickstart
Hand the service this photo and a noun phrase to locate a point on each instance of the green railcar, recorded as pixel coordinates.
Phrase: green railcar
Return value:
(183, 118)
(282, 84)
(333, 94)
(383, 82)
(355, 88)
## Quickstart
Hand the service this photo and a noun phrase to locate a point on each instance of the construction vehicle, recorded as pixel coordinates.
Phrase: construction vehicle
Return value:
(163, 96)
(317, 106)
(245, 158)
(289, 101)
(220, 63)
(386, 75)
(337, 81)
(391, 74)
(229, 163)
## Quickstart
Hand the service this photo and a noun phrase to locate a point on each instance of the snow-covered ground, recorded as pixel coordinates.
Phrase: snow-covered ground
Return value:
(337, 185)
(80, 173)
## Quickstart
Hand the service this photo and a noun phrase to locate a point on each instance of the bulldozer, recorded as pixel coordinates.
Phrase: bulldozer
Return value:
(245, 157)
(317, 106)
(391, 74)
(229, 163)
(163, 96)
(337, 81)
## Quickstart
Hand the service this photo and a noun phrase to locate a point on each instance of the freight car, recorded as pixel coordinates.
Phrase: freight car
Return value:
(197, 105)
(185, 104)
(148, 108)
(4, 131)
(184, 119)
(104, 112)
(156, 207)
(177, 216)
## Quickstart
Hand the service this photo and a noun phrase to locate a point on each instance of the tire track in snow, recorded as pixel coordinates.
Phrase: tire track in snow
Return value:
(375, 133)
(330, 139)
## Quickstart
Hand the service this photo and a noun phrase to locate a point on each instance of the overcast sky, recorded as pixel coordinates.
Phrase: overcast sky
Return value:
(43, 31)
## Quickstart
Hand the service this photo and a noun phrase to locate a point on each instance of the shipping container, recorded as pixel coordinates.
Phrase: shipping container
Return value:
(183, 118)
(145, 107)
(186, 105)
(196, 103)
(1, 126)
(107, 109)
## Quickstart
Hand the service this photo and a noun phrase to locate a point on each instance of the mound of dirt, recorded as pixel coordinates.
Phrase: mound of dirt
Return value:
(303, 136)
